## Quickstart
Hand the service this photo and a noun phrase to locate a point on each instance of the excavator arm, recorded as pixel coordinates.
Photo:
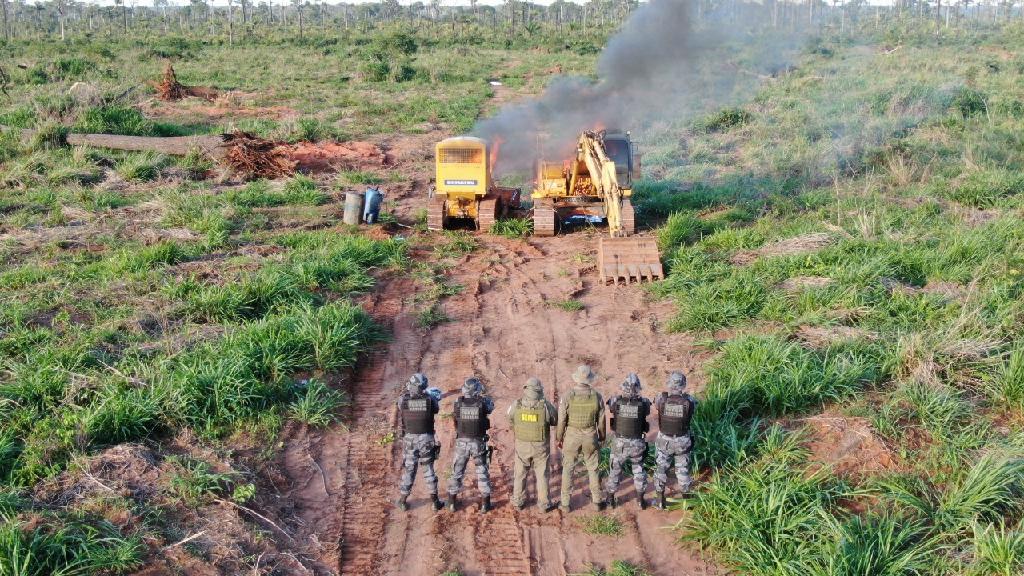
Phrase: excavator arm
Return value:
(619, 258)
(604, 178)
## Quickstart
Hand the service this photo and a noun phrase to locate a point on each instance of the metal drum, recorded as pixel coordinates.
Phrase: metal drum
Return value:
(353, 208)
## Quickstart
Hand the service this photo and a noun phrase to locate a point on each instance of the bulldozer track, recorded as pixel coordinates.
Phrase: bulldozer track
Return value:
(368, 461)
(498, 537)
(366, 507)
(544, 218)
(435, 214)
(487, 212)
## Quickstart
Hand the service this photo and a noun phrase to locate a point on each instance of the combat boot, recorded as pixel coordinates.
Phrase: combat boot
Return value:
(485, 504)
(452, 502)
(659, 501)
(641, 500)
(401, 504)
(436, 502)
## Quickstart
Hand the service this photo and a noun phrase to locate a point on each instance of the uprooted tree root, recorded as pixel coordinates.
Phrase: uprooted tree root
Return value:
(254, 157)
(171, 90)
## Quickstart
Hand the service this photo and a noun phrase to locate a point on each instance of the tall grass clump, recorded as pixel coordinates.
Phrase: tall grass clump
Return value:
(986, 492)
(998, 550)
(763, 517)
(66, 548)
(512, 227)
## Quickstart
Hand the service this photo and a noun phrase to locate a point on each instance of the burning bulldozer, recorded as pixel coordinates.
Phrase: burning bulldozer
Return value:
(464, 188)
(596, 184)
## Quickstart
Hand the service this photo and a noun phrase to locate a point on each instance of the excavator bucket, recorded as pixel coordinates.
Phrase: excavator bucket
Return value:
(630, 259)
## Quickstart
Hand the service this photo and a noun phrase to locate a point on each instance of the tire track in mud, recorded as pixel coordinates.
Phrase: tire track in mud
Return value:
(368, 457)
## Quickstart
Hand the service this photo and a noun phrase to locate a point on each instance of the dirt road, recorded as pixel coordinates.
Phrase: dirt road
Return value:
(504, 329)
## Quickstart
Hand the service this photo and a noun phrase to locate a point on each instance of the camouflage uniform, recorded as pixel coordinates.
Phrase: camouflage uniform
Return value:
(417, 408)
(471, 422)
(466, 448)
(418, 450)
(669, 449)
(674, 441)
(629, 421)
(632, 451)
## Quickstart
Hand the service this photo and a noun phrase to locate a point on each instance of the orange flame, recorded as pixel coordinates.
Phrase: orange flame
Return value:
(495, 149)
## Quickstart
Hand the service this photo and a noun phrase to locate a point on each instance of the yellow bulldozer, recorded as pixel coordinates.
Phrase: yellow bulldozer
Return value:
(597, 185)
(464, 188)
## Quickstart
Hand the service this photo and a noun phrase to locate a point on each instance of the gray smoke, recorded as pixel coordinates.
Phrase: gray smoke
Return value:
(660, 68)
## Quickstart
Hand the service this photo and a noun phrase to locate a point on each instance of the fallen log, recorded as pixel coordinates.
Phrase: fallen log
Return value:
(213, 146)
(245, 154)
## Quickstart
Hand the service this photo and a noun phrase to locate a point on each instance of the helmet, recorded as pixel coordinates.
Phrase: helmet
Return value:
(631, 386)
(417, 383)
(472, 387)
(676, 381)
(435, 392)
(534, 390)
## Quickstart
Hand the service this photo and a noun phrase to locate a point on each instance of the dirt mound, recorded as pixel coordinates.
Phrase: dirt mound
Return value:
(329, 156)
(802, 244)
(849, 445)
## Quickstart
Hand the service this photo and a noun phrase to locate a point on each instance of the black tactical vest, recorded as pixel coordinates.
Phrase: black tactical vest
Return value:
(674, 417)
(630, 417)
(471, 418)
(417, 415)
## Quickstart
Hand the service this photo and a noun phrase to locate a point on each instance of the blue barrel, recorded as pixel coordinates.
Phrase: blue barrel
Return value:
(371, 210)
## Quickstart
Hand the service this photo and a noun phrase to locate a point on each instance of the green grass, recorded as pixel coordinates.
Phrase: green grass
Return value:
(512, 227)
(569, 305)
(616, 568)
(601, 525)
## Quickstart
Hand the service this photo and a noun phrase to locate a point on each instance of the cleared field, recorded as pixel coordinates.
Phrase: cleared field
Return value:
(199, 369)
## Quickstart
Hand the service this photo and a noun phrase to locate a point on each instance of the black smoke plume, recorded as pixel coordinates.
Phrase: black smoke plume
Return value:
(662, 67)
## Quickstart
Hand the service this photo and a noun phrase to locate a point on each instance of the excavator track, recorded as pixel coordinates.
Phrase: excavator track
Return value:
(629, 260)
(486, 213)
(628, 217)
(544, 218)
(435, 214)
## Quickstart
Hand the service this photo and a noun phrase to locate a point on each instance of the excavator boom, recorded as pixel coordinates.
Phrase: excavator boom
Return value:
(620, 258)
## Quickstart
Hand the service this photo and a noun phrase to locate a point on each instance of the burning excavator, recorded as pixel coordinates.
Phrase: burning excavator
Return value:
(596, 184)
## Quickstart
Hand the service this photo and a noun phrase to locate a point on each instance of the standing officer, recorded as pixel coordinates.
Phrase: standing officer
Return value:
(471, 424)
(532, 418)
(629, 421)
(580, 431)
(674, 442)
(417, 409)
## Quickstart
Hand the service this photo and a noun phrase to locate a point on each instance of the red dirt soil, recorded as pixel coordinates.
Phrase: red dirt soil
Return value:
(330, 156)
(501, 329)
